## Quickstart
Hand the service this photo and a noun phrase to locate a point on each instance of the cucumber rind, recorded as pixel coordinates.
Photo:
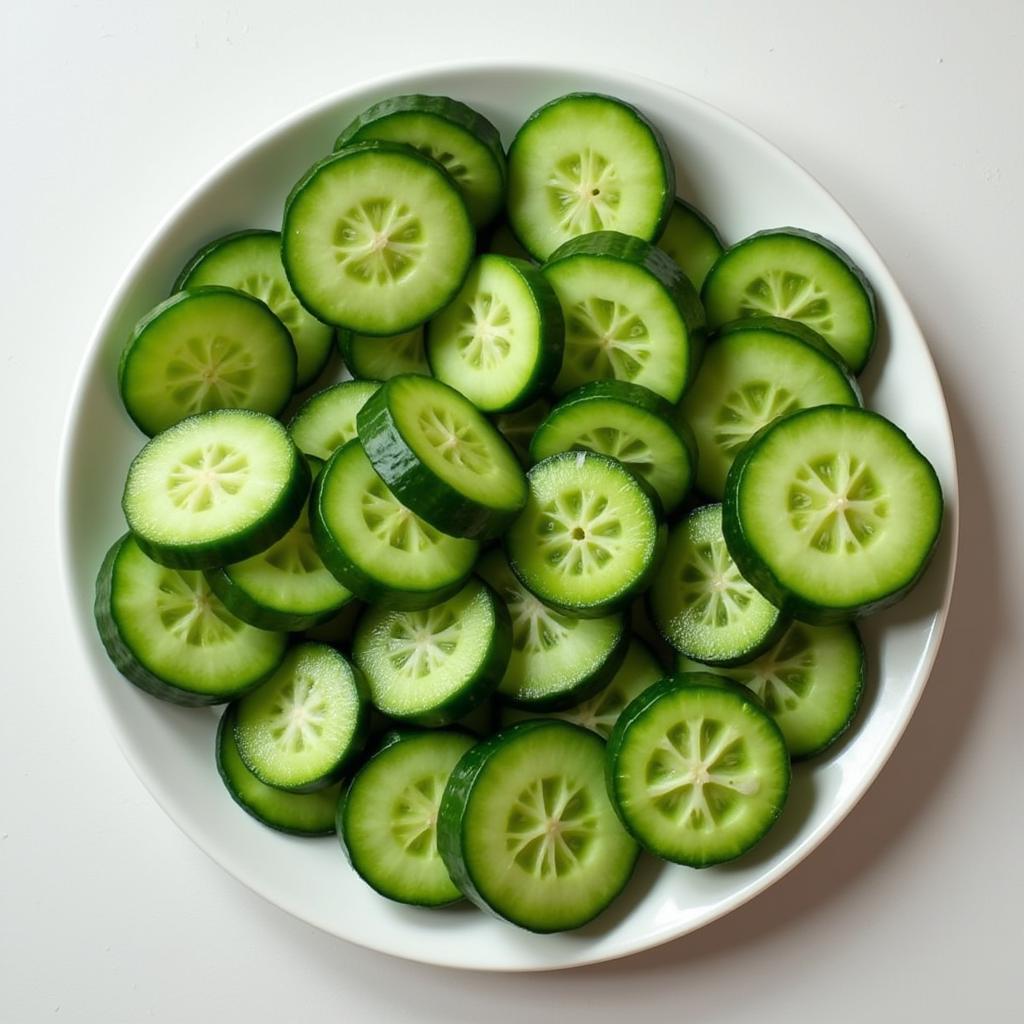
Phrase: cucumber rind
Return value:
(310, 440)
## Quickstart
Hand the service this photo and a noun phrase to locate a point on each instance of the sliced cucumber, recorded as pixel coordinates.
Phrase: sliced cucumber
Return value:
(586, 162)
(209, 348)
(168, 633)
(629, 423)
(327, 420)
(527, 831)
(692, 241)
(556, 660)
(832, 513)
(376, 238)
(251, 262)
(698, 772)
(441, 457)
(215, 488)
(500, 340)
(378, 359)
(699, 601)
(519, 427)
(756, 370)
(799, 276)
(629, 314)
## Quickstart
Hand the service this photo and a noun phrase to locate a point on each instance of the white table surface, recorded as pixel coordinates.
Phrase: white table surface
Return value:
(910, 112)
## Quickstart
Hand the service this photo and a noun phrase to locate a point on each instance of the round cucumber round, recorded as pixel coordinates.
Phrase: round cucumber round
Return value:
(327, 420)
(692, 241)
(376, 359)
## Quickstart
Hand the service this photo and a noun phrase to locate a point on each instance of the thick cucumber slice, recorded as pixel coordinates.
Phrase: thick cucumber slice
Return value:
(500, 340)
(502, 241)
(387, 821)
(629, 314)
(299, 814)
(376, 359)
(810, 682)
(431, 667)
(461, 140)
(327, 420)
(168, 633)
(302, 727)
(376, 238)
(374, 545)
(832, 513)
(583, 163)
(799, 276)
(629, 423)
(210, 348)
(519, 427)
(215, 488)
(692, 241)
(556, 660)
(251, 262)
(586, 540)
(698, 771)
(756, 370)
(441, 457)
(527, 831)
(699, 601)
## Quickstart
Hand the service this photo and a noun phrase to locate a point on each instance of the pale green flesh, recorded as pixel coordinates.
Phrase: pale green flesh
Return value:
(375, 358)
(328, 419)
(691, 243)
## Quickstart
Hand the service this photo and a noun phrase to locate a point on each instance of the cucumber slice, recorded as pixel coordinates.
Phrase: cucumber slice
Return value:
(327, 420)
(586, 162)
(500, 340)
(374, 545)
(379, 359)
(800, 276)
(168, 633)
(431, 667)
(387, 820)
(698, 772)
(376, 238)
(459, 138)
(298, 814)
(441, 457)
(251, 262)
(692, 241)
(699, 601)
(502, 241)
(519, 427)
(629, 314)
(527, 831)
(586, 540)
(302, 727)
(756, 370)
(629, 423)
(210, 348)
(215, 488)
(832, 513)
(556, 660)
(810, 682)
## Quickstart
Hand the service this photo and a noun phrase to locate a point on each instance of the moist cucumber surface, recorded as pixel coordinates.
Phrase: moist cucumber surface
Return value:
(376, 359)
(327, 420)
(692, 241)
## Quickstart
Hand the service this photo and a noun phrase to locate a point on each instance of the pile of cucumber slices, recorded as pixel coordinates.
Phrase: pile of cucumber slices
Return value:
(567, 566)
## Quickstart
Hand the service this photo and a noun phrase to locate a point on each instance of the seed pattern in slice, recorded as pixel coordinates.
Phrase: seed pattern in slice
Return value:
(607, 339)
(191, 612)
(454, 439)
(790, 296)
(579, 532)
(206, 475)
(584, 192)
(327, 420)
(378, 241)
(392, 523)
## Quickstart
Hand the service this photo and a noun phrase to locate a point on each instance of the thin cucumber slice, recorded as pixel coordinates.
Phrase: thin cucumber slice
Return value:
(629, 423)
(698, 772)
(832, 513)
(215, 488)
(209, 348)
(376, 359)
(630, 314)
(432, 666)
(459, 138)
(587, 538)
(810, 682)
(387, 820)
(302, 727)
(441, 457)
(168, 633)
(500, 340)
(502, 241)
(692, 241)
(519, 427)
(298, 814)
(327, 420)
(376, 238)
(756, 370)
(251, 262)
(527, 831)
(800, 276)
(556, 660)
(374, 545)
(699, 601)
(586, 162)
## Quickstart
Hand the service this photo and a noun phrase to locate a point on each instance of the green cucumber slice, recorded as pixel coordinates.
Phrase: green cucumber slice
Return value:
(692, 241)
(519, 427)
(327, 420)
(377, 359)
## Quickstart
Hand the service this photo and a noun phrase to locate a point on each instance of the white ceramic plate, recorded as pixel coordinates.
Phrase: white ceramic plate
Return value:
(743, 183)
